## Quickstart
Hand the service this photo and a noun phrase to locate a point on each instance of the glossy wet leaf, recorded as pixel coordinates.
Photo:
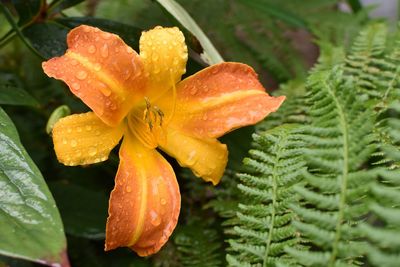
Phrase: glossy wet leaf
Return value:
(11, 94)
(38, 35)
(209, 54)
(30, 225)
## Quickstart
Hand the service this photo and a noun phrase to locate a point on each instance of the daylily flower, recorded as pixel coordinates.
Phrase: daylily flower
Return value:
(140, 97)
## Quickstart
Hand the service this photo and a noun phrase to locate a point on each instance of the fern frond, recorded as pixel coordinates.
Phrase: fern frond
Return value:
(198, 245)
(340, 141)
(384, 232)
(263, 226)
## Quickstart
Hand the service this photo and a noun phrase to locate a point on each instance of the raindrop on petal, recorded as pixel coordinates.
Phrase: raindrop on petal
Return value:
(91, 49)
(154, 218)
(81, 75)
(104, 51)
(73, 143)
(92, 151)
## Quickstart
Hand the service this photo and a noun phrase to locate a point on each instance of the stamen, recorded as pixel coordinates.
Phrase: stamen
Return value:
(138, 130)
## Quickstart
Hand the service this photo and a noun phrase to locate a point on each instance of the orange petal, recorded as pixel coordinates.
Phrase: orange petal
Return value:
(219, 99)
(164, 53)
(82, 139)
(206, 157)
(101, 70)
(145, 203)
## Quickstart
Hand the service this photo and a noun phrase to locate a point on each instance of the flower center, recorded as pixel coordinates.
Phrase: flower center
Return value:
(147, 124)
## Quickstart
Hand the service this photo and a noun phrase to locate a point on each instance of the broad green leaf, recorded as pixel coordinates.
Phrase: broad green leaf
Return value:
(47, 38)
(30, 225)
(84, 212)
(27, 10)
(11, 94)
(209, 54)
(130, 34)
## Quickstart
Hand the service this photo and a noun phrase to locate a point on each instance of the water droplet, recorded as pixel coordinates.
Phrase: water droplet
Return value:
(97, 66)
(129, 50)
(79, 129)
(81, 75)
(91, 49)
(104, 51)
(88, 128)
(128, 189)
(86, 29)
(126, 74)
(214, 70)
(155, 57)
(75, 86)
(64, 141)
(154, 218)
(156, 70)
(193, 90)
(69, 130)
(74, 62)
(175, 62)
(104, 89)
(106, 35)
(92, 151)
(73, 143)
(163, 201)
(205, 117)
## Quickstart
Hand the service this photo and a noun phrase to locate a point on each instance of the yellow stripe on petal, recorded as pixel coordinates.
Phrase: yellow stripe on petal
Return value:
(102, 70)
(206, 157)
(145, 203)
(164, 54)
(82, 139)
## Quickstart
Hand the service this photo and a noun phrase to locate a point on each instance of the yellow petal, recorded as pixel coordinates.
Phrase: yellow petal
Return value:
(102, 70)
(164, 54)
(82, 139)
(145, 203)
(206, 157)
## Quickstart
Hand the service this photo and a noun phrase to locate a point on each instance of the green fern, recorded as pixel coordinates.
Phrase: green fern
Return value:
(375, 70)
(383, 231)
(339, 143)
(263, 221)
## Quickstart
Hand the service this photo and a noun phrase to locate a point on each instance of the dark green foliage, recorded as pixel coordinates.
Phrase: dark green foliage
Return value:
(263, 219)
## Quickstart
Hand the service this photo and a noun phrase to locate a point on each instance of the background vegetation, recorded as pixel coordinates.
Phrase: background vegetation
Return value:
(319, 183)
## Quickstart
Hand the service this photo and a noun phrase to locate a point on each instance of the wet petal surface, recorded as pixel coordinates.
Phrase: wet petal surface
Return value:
(164, 54)
(206, 157)
(102, 70)
(145, 203)
(82, 139)
(219, 99)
